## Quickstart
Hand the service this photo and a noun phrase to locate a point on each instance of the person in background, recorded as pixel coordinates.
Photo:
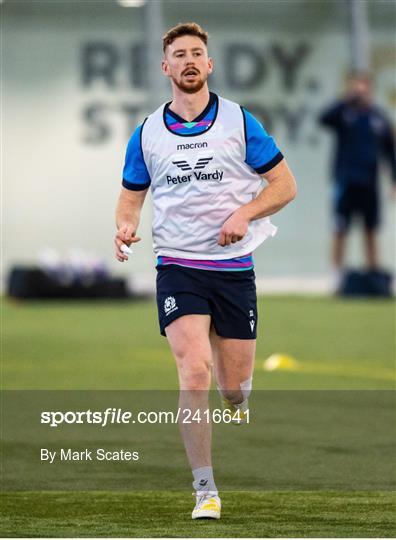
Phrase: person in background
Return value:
(363, 138)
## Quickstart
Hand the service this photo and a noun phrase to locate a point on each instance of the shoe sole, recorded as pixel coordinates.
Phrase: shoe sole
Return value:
(207, 514)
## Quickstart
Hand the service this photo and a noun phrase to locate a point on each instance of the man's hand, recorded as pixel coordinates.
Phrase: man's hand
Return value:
(281, 189)
(126, 234)
(233, 229)
(127, 219)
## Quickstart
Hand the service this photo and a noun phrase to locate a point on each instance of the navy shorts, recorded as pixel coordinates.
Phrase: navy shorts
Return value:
(228, 297)
(359, 201)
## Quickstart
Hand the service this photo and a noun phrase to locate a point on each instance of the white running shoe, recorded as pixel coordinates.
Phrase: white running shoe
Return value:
(208, 505)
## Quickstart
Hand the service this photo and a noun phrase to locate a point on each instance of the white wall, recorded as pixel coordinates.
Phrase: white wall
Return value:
(60, 190)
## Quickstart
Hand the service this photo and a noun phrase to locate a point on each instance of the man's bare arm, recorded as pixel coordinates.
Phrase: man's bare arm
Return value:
(128, 211)
(280, 191)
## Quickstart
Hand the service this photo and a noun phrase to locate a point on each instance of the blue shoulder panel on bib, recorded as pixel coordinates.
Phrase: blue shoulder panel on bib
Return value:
(261, 151)
(135, 175)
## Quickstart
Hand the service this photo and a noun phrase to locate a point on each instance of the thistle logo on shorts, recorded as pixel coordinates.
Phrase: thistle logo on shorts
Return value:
(197, 171)
(170, 305)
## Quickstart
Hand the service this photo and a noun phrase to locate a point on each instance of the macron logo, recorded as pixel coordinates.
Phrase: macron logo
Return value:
(188, 146)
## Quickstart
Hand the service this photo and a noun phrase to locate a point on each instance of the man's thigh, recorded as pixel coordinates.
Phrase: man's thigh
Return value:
(188, 337)
(233, 360)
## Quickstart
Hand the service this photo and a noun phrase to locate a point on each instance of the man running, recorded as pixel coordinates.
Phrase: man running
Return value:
(204, 158)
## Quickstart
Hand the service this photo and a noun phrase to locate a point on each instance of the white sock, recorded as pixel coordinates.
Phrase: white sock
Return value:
(203, 480)
(246, 388)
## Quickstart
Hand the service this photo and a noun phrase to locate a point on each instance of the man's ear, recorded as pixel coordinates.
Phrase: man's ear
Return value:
(165, 67)
(210, 64)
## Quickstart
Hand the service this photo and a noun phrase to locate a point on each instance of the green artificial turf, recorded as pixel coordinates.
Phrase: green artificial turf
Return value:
(336, 345)
(167, 514)
(339, 344)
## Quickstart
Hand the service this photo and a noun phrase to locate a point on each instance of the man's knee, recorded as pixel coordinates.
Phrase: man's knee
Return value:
(194, 373)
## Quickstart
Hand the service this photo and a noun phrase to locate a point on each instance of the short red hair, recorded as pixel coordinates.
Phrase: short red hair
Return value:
(184, 29)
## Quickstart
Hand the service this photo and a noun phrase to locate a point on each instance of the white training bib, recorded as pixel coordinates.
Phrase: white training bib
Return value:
(197, 182)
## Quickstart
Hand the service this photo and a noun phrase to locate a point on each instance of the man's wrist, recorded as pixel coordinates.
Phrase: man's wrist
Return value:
(246, 212)
(127, 223)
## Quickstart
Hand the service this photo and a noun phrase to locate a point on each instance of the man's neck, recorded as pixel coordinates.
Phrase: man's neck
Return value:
(189, 106)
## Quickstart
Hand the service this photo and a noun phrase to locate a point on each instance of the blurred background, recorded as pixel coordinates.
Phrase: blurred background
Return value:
(79, 76)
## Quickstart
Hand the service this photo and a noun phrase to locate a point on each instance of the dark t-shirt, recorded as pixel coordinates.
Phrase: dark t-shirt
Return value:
(364, 136)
